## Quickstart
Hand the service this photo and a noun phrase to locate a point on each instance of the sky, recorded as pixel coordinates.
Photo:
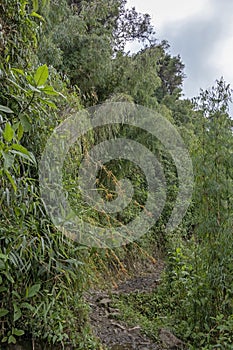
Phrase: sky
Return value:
(201, 31)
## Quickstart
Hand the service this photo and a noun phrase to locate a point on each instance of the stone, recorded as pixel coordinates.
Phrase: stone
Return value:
(170, 341)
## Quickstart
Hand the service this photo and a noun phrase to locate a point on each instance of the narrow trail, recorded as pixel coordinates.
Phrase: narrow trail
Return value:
(115, 334)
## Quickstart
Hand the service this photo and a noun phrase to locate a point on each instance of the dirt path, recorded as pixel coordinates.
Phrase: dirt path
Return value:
(114, 334)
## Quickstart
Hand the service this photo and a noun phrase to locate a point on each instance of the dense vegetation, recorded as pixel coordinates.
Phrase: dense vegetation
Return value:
(62, 56)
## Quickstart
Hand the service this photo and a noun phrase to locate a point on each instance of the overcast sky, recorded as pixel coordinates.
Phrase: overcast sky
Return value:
(201, 31)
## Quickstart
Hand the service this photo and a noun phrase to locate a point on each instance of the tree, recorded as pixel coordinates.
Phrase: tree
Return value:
(87, 43)
(170, 71)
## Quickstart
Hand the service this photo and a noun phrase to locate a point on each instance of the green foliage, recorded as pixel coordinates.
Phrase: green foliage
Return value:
(139, 309)
(137, 76)
(87, 44)
(39, 283)
(38, 267)
(198, 278)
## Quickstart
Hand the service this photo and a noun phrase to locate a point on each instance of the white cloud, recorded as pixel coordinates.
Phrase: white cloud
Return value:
(167, 16)
(221, 57)
(164, 12)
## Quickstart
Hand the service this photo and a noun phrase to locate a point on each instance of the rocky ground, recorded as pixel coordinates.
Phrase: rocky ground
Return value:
(115, 334)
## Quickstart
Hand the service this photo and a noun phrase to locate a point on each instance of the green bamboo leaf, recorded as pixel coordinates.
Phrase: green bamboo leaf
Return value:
(29, 157)
(5, 109)
(34, 14)
(23, 152)
(17, 85)
(35, 5)
(41, 75)
(8, 133)
(19, 71)
(20, 148)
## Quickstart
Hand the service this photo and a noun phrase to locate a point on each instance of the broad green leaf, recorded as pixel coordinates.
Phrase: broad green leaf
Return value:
(27, 306)
(20, 131)
(15, 126)
(15, 293)
(32, 291)
(17, 211)
(8, 160)
(3, 289)
(17, 313)
(41, 75)
(8, 133)
(3, 312)
(5, 109)
(25, 122)
(0, 279)
(11, 340)
(18, 332)
(9, 277)
(2, 265)
(10, 178)
(4, 257)
(49, 90)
